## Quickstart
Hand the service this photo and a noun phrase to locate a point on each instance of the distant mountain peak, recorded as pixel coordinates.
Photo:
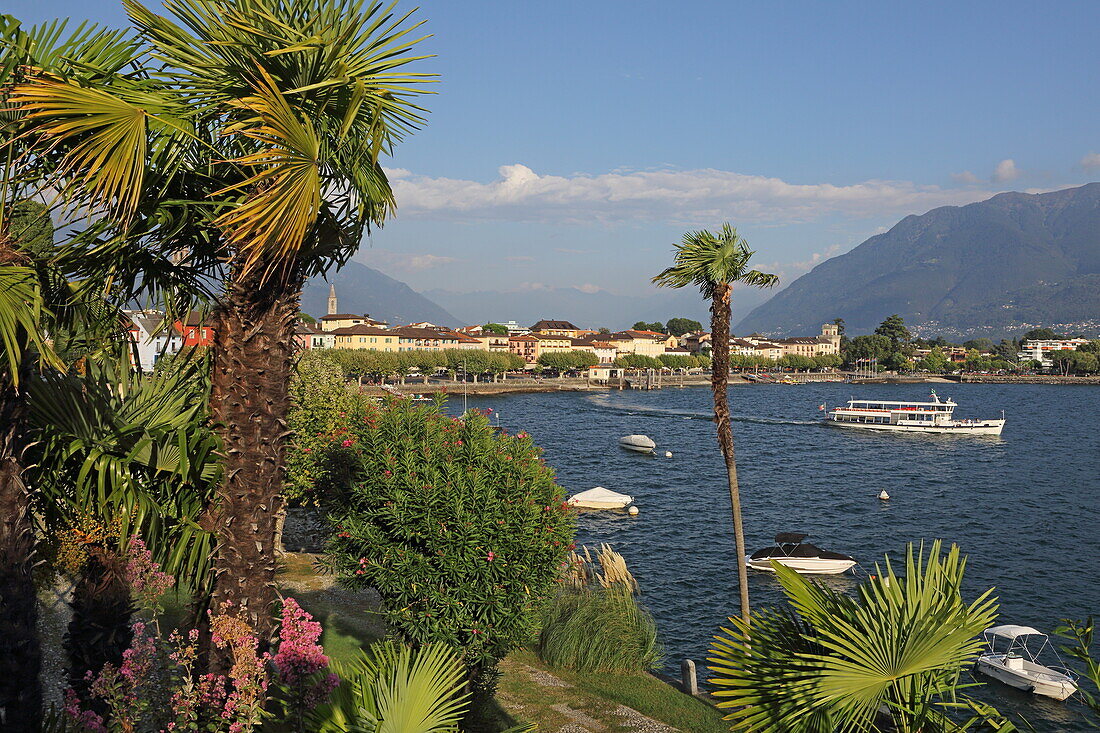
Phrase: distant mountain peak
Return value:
(989, 268)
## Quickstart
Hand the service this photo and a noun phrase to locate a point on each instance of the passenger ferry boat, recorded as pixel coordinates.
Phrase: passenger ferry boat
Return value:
(910, 417)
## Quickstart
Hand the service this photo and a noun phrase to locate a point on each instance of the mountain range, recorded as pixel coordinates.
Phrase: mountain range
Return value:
(992, 268)
(362, 289)
(590, 308)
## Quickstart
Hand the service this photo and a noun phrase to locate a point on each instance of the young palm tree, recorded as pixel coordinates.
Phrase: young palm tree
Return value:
(244, 144)
(888, 658)
(714, 263)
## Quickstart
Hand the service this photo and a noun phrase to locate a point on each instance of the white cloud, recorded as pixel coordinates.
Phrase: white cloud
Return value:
(520, 258)
(1091, 162)
(588, 288)
(789, 271)
(964, 177)
(694, 197)
(388, 259)
(1005, 171)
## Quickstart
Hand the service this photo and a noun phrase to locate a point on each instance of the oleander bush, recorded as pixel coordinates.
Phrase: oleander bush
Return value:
(460, 528)
(595, 624)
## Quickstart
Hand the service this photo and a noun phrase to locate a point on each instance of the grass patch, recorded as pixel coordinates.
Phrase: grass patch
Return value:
(598, 630)
(597, 696)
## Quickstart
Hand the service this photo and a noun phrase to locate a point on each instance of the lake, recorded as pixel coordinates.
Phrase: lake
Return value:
(1023, 507)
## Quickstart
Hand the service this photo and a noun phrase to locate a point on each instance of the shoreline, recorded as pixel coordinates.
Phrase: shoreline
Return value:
(533, 386)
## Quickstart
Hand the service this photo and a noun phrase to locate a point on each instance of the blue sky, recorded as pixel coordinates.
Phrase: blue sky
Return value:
(571, 143)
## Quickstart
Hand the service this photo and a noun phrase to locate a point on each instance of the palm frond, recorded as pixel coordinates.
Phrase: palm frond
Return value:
(394, 688)
(709, 261)
(22, 313)
(284, 195)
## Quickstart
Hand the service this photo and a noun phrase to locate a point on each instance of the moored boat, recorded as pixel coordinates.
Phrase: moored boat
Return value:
(934, 416)
(600, 498)
(1016, 665)
(791, 551)
(639, 443)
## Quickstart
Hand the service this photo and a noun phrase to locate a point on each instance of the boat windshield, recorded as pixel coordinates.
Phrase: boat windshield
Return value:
(900, 406)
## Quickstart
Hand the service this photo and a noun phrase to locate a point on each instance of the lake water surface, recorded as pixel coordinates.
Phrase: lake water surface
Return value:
(1024, 507)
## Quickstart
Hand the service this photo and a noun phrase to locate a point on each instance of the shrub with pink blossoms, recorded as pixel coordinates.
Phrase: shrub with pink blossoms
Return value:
(156, 687)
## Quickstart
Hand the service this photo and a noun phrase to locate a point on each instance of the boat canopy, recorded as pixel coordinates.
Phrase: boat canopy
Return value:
(784, 538)
(1011, 631)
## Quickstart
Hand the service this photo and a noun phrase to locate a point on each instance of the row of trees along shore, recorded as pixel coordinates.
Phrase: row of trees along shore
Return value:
(893, 348)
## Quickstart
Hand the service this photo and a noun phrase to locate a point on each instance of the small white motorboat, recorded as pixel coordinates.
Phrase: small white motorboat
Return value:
(600, 498)
(639, 443)
(790, 550)
(1017, 666)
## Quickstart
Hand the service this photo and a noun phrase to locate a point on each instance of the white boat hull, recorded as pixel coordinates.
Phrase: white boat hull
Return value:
(1030, 677)
(638, 443)
(976, 427)
(804, 565)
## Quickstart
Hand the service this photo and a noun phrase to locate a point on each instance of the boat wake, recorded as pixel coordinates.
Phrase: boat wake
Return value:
(600, 401)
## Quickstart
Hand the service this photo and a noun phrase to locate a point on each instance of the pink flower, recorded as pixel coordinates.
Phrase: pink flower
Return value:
(347, 443)
(491, 556)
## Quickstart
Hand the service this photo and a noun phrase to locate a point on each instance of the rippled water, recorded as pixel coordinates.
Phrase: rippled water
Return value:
(1024, 506)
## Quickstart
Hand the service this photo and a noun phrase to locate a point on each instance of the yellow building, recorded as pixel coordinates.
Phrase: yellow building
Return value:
(336, 321)
(365, 337)
(549, 344)
(557, 328)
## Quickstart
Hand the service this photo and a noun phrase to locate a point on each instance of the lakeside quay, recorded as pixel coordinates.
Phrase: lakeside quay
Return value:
(534, 386)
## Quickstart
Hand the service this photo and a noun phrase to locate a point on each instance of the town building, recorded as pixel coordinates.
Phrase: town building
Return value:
(416, 338)
(194, 330)
(695, 341)
(564, 329)
(365, 337)
(550, 343)
(1040, 350)
(335, 321)
(150, 340)
(524, 346)
(597, 344)
(643, 343)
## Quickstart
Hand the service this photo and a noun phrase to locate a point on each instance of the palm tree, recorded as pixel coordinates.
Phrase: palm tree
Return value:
(34, 300)
(244, 145)
(714, 263)
(889, 658)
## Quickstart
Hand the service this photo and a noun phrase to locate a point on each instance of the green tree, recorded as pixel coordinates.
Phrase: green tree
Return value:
(980, 344)
(897, 647)
(306, 318)
(459, 527)
(1007, 350)
(643, 326)
(495, 328)
(935, 362)
(636, 361)
(251, 146)
(1040, 334)
(839, 322)
(1063, 360)
(680, 326)
(715, 263)
(894, 329)
(874, 346)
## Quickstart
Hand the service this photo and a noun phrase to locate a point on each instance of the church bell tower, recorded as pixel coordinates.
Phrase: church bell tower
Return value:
(333, 307)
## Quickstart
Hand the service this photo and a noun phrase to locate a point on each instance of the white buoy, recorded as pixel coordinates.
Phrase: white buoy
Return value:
(883, 495)
(632, 511)
(668, 454)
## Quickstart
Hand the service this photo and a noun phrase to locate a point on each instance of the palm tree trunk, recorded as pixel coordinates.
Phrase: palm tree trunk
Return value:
(20, 652)
(720, 361)
(99, 631)
(253, 351)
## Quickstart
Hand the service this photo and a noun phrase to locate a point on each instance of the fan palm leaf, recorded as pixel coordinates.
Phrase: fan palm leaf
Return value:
(393, 689)
(897, 649)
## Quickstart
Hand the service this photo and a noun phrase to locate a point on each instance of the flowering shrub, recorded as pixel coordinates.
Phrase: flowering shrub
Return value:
(155, 671)
(460, 527)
